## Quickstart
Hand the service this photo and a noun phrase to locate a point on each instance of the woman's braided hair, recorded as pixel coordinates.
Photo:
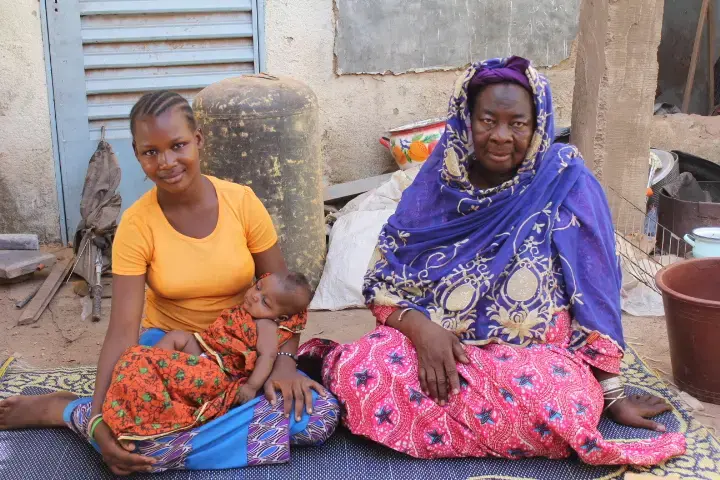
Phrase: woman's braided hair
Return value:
(156, 103)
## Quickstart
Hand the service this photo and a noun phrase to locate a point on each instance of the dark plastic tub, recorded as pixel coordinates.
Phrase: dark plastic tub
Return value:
(691, 294)
(681, 217)
(702, 169)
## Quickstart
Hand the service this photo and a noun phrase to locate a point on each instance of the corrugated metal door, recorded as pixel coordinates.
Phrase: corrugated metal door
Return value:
(105, 54)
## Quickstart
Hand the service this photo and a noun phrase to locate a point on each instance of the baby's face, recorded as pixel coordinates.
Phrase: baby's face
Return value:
(268, 299)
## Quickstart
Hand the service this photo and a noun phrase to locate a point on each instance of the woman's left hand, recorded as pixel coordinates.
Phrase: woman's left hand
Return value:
(293, 386)
(635, 410)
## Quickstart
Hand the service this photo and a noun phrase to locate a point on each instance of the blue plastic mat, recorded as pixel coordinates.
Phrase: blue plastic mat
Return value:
(61, 455)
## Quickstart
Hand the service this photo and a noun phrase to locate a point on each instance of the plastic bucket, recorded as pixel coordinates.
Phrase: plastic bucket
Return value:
(691, 294)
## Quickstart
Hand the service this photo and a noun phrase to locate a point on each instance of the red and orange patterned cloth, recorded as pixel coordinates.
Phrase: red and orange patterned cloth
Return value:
(155, 392)
(231, 339)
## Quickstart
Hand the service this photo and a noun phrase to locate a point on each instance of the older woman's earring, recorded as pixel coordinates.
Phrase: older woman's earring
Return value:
(145, 179)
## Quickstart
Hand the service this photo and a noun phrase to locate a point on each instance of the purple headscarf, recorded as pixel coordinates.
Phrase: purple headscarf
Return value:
(513, 70)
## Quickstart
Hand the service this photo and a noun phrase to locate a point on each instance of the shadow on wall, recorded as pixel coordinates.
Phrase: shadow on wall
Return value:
(10, 219)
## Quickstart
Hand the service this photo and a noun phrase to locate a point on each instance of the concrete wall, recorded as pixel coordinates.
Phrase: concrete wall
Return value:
(355, 110)
(28, 196)
(398, 36)
(695, 134)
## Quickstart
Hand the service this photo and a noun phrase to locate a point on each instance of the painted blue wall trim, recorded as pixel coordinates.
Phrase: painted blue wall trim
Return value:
(53, 124)
(259, 14)
(76, 118)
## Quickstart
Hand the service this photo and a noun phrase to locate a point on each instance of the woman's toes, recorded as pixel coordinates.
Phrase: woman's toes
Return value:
(34, 410)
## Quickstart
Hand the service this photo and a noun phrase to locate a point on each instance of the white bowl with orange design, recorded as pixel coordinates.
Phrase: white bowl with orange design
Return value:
(412, 144)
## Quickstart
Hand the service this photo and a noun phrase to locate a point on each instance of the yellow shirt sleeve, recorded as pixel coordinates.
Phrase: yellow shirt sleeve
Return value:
(132, 248)
(259, 229)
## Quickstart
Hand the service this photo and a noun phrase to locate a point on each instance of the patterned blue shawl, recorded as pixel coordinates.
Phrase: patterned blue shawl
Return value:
(496, 265)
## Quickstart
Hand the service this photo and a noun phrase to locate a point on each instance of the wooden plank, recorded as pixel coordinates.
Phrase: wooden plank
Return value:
(16, 263)
(711, 55)
(52, 283)
(694, 59)
(349, 189)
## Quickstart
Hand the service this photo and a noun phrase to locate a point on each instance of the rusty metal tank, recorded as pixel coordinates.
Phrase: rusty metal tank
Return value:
(681, 217)
(263, 131)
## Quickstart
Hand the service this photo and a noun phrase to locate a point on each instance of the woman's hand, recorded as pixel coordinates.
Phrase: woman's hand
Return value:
(117, 455)
(244, 394)
(438, 351)
(635, 410)
(293, 386)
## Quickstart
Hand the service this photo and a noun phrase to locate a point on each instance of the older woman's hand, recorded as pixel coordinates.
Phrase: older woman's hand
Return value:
(635, 410)
(438, 350)
(293, 386)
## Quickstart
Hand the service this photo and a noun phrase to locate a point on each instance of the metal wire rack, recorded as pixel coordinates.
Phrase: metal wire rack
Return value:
(643, 245)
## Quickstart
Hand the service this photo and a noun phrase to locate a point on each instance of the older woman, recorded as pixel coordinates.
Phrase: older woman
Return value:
(197, 242)
(497, 291)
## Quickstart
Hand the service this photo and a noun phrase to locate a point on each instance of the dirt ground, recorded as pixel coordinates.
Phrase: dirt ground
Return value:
(62, 338)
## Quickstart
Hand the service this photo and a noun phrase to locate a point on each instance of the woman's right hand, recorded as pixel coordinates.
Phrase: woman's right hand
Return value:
(438, 351)
(117, 456)
(122, 333)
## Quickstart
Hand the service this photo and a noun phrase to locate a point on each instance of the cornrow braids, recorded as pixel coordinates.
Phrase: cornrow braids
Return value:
(156, 103)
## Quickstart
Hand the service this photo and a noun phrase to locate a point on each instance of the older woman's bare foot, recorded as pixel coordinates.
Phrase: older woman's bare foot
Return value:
(34, 411)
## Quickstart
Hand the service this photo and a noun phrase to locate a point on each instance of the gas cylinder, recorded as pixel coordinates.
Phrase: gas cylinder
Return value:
(263, 132)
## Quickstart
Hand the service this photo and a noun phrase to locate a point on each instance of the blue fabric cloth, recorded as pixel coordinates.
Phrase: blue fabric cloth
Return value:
(151, 336)
(255, 433)
(495, 265)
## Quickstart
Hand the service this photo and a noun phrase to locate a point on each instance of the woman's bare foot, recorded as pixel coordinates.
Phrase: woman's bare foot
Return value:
(34, 411)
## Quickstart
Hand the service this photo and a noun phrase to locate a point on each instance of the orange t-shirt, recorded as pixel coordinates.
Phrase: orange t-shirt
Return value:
(191, 281)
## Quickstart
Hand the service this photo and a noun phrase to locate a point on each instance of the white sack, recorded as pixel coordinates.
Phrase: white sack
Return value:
(352, 243)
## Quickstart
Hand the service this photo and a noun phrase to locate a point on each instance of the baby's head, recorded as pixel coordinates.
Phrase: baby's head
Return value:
(278, 295)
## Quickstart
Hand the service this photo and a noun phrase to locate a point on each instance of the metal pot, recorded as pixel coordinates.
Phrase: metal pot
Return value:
(705, 242)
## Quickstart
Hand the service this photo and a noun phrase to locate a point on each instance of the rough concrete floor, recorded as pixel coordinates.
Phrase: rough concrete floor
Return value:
(62, 338)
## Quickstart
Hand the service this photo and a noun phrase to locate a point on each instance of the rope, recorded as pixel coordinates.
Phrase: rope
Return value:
(5, 366)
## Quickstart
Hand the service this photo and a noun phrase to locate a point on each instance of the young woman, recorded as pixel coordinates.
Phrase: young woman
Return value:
(197, 243)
